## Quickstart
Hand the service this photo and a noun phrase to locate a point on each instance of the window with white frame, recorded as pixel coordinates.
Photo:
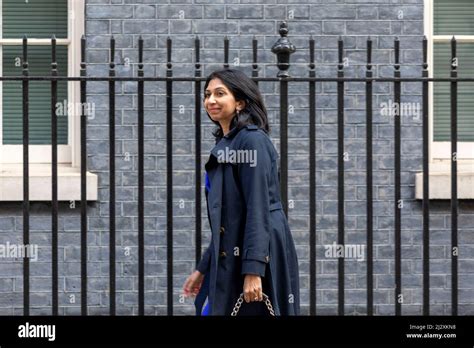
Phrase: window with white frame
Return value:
(443, 20)
(39, 20)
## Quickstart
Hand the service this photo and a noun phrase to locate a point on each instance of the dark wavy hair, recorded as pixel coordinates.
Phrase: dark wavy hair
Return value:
(242, 88)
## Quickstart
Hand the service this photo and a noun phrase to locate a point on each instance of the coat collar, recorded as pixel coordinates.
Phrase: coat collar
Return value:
(219, 147)
(232, 132)
(224, 142)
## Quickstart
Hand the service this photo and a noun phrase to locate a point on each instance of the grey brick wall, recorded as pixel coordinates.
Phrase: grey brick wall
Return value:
(155, 20)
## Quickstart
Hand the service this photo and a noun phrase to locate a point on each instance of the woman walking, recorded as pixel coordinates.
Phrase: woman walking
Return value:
(251, 249)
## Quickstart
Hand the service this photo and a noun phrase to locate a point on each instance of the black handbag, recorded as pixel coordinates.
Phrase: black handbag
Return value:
(240, 301)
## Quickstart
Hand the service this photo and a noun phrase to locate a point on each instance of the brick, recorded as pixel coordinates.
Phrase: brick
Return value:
(412, 28)
(401, 12)
(367, 12)
(179, 12)
(109, 12)
(206, 27)
(324, 11)
(375, 28)
(244, 12)
(256, 27)
(6, 285)
(298, 12)
(11, 299)
(214, 2)
(180, 27)
(275, 12)
(96, 27)
(309, 28)
(145, 27)
(145, 11)
(213, 11)
(333, 27)
(7, 223)
(116, 26)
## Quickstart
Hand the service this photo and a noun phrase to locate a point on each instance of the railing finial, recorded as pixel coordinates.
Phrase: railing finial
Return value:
(283, 48)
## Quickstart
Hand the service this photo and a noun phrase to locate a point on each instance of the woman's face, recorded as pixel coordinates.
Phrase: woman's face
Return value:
(220, 102)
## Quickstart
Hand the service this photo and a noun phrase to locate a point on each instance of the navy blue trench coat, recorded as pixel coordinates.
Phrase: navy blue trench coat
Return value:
(250, 232)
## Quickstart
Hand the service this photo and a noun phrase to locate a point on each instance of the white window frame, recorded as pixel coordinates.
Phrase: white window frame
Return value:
(69, 156)
(441, 150)
(69, 153)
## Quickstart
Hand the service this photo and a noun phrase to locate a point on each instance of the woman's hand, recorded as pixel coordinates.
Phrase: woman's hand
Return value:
(193, 284)
(252, 288)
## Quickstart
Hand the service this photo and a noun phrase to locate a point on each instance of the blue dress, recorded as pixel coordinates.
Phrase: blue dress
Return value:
(205, 311)
(208, 183)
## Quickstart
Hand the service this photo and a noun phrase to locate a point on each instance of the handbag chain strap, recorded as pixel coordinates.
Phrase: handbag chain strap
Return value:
(240, 300)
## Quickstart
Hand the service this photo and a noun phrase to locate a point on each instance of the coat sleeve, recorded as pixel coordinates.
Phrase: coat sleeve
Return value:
(254, 179)
(205, 263)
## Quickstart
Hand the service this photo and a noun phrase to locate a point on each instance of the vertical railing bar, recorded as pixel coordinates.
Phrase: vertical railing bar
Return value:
(83, 87)
(197, 137)
(426, 189)
(54, 178)
(26, 188)
(340, 172)
(169, 176)
(398, 203)
(141, 193)
(255, 58)
(226, 52)
(312, 181)
(284, 143)
(112, 176)
(454, 179)
(283, 48)
(369, 188)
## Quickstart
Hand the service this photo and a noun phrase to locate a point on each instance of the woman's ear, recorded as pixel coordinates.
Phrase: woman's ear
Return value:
(241, 105)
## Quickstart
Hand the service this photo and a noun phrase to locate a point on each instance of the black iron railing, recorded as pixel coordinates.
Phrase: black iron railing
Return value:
(283, 48)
